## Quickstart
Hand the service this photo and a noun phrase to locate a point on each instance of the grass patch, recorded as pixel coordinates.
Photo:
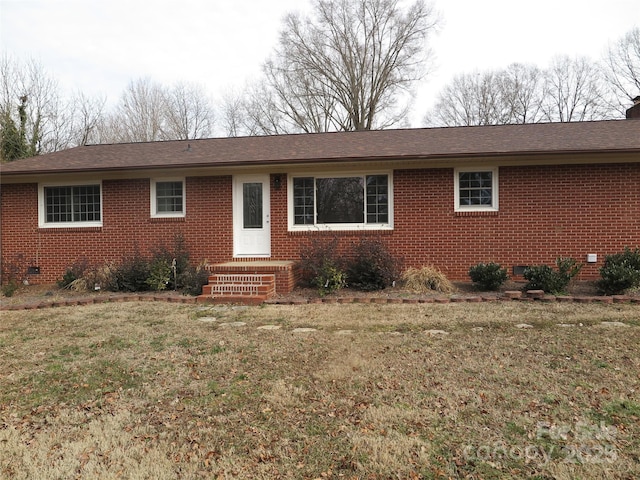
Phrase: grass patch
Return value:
(622, 411)
(103, 391)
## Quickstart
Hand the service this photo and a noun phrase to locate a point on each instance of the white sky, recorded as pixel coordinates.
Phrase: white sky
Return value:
(99, 46)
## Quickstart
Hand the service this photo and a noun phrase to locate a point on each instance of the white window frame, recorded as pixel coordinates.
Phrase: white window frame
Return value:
(338, 226)
(42, 208)
(494, 190)
(154, 200)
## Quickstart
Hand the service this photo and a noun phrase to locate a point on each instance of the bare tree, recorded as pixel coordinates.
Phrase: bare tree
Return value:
(574, 91)
(31, 98)
(622, 69)
(570, 90)
(150, 112)
(188, 114)
(490, 98)
(47, 121)
(88, 114)
(349, 67)
(262, 113)
(139, 116)
(470, 99)
(231, 113)
(522, 92)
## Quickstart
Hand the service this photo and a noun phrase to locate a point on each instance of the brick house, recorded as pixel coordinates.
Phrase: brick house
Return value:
(450, 197)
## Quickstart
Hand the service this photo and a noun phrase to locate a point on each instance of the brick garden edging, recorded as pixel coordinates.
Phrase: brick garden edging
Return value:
(508, 296)
(460, 299)
(72, 302)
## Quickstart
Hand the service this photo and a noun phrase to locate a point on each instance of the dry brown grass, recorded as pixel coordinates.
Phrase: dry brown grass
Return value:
(426, 279)
(144, 390)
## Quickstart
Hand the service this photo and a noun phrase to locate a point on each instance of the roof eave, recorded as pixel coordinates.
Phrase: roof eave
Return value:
(436, 159)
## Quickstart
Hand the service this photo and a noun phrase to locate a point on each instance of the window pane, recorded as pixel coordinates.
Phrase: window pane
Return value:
(303, 201)
(377, 199)
(169, 197)
(86, 203)
(476, 188)
(72, 204)
(340, 200)
(252, 205)
(58, 204)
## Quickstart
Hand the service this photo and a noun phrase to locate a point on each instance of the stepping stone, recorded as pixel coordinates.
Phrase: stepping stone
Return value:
(208, 319)
(270, 327)
(566, 325)
(433, 333)
(538, 294)
(344, 332)
(524, 325)
(233, 324)
(513, 294)
(477, 329)
(304, 330)
(614, 324)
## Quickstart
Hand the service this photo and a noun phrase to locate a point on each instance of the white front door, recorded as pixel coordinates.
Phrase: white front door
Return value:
(251, 216)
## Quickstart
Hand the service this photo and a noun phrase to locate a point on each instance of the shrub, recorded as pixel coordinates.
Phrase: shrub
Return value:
(167, 268)
(488, 276)
(427, 278)
(73, 273)
(132, 274)
(160, 273)
(9, 288)
(329, 279)
(543, 277)
(14, 270)
(621, 271)
(83, 277)
(192, 278)
(373, 267)
(166, 255)
(321, 266)
(316, 256)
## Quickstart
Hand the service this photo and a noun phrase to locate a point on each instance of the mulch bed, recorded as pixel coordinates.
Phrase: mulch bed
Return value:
(46, 296)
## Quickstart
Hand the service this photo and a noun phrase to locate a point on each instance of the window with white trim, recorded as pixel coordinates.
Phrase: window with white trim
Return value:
(340, 202)
(70, 205)
(476, 189)
(167, 198)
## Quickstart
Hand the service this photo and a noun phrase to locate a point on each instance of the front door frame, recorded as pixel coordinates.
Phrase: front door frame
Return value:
(251, 242)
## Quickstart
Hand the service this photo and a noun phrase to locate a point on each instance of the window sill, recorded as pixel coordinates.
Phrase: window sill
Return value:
(69, 229)
(341, 232)
(476, 213)
(167, 219)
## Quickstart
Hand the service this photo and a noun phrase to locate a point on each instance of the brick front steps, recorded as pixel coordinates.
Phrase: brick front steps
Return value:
(249, 282)
(250, 289)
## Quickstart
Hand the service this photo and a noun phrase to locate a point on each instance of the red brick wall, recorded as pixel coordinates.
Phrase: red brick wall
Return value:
(545, 212)
(127, 226)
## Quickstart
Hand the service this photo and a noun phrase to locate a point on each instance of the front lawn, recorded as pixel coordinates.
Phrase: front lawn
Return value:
(158, 390)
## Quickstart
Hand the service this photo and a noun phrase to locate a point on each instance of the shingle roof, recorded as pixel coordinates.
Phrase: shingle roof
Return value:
(430, 143)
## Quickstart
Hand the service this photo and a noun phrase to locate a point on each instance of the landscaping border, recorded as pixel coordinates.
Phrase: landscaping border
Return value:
(507, 296)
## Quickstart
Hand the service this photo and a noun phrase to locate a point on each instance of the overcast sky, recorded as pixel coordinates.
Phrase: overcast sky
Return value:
(99, 46)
